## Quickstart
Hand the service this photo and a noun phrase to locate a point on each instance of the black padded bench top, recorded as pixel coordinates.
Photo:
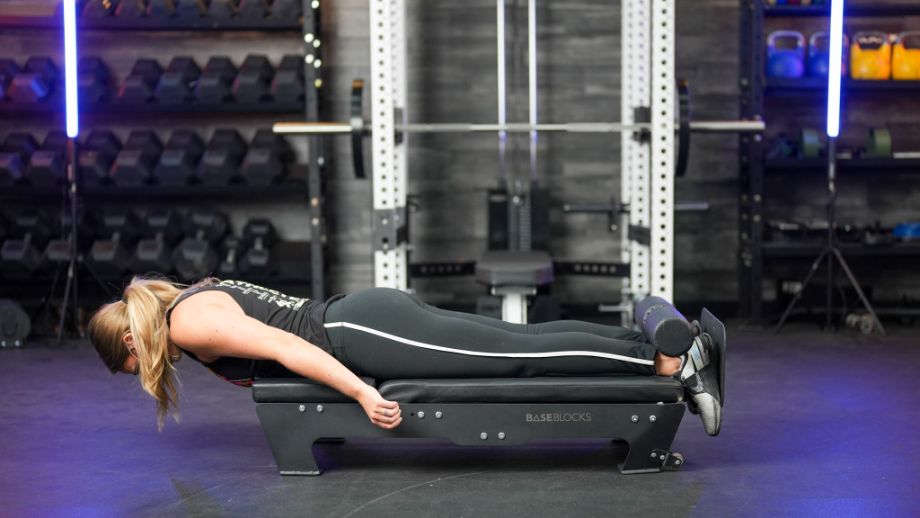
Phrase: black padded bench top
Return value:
(512, 268)
(608, 389)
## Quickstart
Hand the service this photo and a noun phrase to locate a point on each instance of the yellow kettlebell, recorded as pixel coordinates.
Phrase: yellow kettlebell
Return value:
(870, 56)
(905, 62)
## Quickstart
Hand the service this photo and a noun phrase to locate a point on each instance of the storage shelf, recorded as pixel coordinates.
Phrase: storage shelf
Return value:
(811, 250)
(57, 106)
(812, 85)
(786, 11)
(876, 165)
(113, 23)
(160, 192)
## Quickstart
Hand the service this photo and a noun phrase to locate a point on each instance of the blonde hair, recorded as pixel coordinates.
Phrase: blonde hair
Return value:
(142, 311)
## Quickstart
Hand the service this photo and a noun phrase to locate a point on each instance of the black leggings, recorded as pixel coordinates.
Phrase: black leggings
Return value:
(389, 334)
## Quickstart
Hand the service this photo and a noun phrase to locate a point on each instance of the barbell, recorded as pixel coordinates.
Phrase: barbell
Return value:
(359, 128)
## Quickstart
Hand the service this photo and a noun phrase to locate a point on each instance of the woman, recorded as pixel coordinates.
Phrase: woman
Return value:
(241, 331)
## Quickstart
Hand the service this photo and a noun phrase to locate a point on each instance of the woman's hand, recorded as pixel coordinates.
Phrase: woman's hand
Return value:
(383, 413)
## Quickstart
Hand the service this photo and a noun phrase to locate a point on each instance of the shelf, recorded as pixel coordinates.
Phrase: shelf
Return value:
(811, 85)
(880, 11)
(878, 165)
(57, 106)
(113, 23)
(159, 193)
(811, 250)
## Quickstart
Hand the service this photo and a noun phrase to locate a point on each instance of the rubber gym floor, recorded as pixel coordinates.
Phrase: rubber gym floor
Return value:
(815, 425)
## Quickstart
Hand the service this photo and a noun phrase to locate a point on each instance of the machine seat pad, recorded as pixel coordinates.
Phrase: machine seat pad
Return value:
(549, 389)
(298, 390)
(508, 268)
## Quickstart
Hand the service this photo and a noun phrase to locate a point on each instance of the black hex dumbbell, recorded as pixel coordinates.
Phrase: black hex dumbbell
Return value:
(258, 238)
(35, 81)
(20, 255)
(99, 8)
(96, 156)
(59, 250)
(8, 70)
(178, 163)
(196, 257)
(230, 249)
(111, 255)
(46, 166)
(93, 78)
(221, 160)
(287, 85)
(285, 9)
(177, 83)
(127, 9)
(14, 159)
(254, 10)
(134, 164)
(162, 229)
(140, 85)
(266, 161)
(216, 80)
(252, 83)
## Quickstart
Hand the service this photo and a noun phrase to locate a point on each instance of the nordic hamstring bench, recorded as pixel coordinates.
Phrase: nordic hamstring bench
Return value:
(644, 411)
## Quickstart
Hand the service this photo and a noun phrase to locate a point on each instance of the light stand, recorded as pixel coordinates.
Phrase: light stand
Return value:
(831, 250)
(73, 130)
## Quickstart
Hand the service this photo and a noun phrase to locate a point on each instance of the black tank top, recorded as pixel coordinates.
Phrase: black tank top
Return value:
(300, 316)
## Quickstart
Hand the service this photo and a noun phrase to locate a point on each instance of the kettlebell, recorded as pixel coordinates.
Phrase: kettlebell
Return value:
(905, 61)
(870, 56)
(786, 54)
(819, 54)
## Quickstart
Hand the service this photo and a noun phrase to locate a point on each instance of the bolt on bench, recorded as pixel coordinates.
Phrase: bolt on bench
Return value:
(645, 411)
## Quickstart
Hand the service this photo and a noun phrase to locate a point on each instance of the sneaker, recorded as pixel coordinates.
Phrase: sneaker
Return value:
(700, 375)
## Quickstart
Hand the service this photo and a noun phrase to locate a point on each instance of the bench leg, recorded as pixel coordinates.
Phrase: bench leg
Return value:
(649, 452)
(291, 444)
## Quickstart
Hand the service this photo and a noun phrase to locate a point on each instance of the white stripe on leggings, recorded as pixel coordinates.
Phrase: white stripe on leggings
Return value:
(555, 354)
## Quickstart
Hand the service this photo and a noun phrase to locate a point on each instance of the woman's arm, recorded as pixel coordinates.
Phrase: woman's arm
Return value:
(210, 326)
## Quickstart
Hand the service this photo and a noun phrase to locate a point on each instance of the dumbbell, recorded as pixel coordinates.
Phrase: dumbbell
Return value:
(20, 255)
(177, 82)
(93, 77)
(183, 9)
(266, 160)
(140, 85)
(258, 238)
(195, 256)
(16, 151)
(230, 249)
(220, 163)
(287, 85)
(111, 256)
(252, 83)
(252, 9)
(134, 164)
(8, 70)
(46, 165)
(58, 250)
(99, 8)
(285, 10)
(216, 80)
(35, 82)
(131, 9)
(162, 229)
(96, 156)
(11, 169)
(180, 158)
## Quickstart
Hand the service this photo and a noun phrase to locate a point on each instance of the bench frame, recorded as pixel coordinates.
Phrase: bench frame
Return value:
(649, 428)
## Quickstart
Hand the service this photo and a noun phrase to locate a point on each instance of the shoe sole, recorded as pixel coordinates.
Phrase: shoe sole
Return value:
(716, 331)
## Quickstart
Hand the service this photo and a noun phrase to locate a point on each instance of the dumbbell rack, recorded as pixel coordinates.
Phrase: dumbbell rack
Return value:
(308, 30)
(757, 253)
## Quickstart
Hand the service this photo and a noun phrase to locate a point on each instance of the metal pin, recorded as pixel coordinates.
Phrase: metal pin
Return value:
(501, 436)
(652, 418)
(483, 436)
(635, 419)
(302, 408)
(421, 415)
(319, 408)
(438, 415)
